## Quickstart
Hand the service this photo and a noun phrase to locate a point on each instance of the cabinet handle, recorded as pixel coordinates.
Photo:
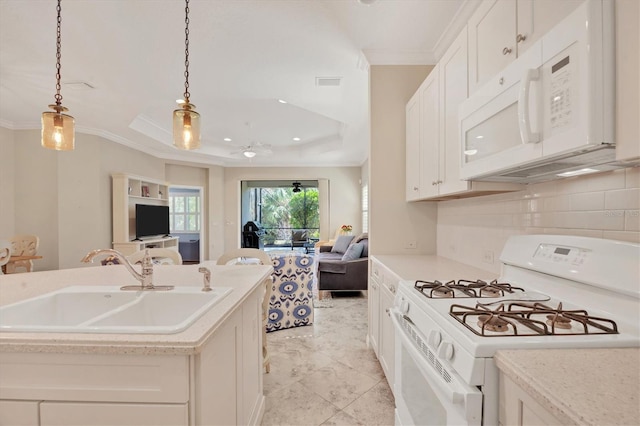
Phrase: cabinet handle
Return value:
(415, 188)
(501, 81)
(392, 289)
(439, 182)
(506, 51)
(388, 311)
(520, 38)
(434, 183)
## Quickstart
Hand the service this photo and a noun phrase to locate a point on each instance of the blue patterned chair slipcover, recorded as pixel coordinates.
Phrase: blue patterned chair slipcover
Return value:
(291, 302)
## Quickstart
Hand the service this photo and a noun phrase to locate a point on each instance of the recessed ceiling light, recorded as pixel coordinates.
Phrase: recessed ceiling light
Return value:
(479, 137)
(367, 2)
(296, 139)
(282, 101)
(227, 139)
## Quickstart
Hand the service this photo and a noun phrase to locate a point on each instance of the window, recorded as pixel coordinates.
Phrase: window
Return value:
(365, 208)
(185, 209)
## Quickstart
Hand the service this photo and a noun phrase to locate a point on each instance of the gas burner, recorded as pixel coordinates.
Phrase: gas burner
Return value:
(493, 323)
(520, 319)
(435, 289)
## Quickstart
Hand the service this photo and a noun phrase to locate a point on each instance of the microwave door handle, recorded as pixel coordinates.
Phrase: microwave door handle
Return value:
(524, 121)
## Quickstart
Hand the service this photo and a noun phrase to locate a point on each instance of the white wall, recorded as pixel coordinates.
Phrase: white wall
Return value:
(604, 205)
(7, 184)
(394, 223)
(344, 195)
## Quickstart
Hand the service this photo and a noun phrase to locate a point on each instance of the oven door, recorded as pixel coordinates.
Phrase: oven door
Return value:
(426, 392)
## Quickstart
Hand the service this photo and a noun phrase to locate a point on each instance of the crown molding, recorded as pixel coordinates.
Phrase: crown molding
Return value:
(454, 28)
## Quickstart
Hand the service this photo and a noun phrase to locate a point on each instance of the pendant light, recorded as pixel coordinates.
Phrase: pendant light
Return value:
(57, 128)
(186, 121)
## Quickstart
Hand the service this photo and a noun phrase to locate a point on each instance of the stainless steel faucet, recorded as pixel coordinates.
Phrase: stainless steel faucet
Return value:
(207, 278)
(145, 278)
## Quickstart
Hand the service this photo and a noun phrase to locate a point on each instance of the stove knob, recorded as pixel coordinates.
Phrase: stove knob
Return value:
(404, 306)
(434, 338)
(445, 351)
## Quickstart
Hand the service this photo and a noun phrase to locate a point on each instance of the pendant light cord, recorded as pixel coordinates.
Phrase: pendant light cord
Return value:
(58, 96)
(186, 52)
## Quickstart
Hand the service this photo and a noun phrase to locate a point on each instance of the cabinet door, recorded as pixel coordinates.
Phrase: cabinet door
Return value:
(492, 30)
(373, 295)
(251, 358)
(536, 17)
(105, 414)
(412, 146)
(453, 91)
(387, 336)
(430, 134)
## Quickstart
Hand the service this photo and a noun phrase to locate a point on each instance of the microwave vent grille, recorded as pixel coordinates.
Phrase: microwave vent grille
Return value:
(543, 169)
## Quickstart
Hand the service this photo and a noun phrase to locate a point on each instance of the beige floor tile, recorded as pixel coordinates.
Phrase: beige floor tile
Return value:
(338, 384)
(318, 369)
(375, 407)
(296, 405)
(342, 419)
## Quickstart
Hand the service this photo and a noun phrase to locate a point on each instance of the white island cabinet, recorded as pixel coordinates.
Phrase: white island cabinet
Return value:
(208, 374)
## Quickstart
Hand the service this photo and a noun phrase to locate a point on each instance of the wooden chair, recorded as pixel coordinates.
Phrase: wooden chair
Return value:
(5, 253)
(243, 256)
(162, 256)
(22, 245)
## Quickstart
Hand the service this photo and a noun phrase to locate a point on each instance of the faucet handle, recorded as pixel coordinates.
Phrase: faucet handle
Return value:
(207, 278)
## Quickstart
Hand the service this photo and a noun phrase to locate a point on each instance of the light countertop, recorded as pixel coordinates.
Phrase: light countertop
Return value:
(579, 386)
(17, 287)
(431, 267)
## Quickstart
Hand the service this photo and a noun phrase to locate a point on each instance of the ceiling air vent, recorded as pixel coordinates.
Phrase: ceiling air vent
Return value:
(328, 81)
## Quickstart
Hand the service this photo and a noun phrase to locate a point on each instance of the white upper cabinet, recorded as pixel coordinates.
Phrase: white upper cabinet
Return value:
(501, 30)
(413, 148)
(430, 134)
(433, 145)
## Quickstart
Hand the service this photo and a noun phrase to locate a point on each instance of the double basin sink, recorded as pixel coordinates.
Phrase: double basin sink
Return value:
(106, 309)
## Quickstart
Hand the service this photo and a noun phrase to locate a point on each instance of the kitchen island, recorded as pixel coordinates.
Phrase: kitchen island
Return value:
(569, 386)
(210, 373)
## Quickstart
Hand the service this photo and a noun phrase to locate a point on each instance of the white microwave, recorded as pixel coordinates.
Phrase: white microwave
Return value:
(550, 113)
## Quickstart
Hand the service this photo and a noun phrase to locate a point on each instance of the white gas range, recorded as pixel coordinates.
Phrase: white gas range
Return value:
(554, 292)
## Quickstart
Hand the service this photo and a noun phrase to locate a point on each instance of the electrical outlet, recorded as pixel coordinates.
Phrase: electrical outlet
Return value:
(411, 244)
(487, 257)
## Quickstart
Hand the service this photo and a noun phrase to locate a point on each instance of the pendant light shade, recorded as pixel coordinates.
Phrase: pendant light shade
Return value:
(186, 127)
(58, 129)
(186, 121)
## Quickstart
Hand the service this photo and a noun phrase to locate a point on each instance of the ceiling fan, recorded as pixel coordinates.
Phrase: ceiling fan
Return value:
(253, 149)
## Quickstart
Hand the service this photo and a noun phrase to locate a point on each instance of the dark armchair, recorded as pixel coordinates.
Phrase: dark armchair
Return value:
(300, 238)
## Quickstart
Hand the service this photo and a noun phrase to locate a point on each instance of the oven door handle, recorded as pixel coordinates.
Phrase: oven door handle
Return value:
(450, 394)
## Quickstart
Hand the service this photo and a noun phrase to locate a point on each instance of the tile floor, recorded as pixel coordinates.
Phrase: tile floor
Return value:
(325, 374)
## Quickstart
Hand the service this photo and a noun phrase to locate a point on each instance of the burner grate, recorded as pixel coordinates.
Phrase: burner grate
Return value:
(464, 289)
(520, 319)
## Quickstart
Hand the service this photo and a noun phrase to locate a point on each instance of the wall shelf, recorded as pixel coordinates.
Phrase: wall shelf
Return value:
(127, 191)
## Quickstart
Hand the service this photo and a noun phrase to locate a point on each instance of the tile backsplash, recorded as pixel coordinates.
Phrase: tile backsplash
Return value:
(603, 205)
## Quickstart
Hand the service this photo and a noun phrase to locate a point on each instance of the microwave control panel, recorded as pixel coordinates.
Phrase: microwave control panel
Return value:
(560, 99)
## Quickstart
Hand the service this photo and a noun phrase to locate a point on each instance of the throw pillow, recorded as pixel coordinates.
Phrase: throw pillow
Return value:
(342, 243)
(353, 252)
(361, 237)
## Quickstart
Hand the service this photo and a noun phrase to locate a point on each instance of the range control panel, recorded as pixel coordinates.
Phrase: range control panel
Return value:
(562, 254)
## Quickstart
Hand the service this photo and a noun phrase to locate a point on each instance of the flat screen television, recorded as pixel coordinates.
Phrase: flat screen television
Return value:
(151, 220)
